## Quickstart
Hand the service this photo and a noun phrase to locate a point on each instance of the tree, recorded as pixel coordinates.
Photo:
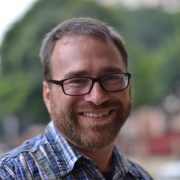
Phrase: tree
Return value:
(21, 69)
(151, 36)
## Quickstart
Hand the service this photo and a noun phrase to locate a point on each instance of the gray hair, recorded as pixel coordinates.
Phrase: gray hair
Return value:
(78, 26)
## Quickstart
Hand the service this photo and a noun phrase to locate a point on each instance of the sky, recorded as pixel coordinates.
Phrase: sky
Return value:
(10, 12)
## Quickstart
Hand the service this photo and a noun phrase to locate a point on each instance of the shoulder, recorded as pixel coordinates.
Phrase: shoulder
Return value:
(29, 146)
(137, 171)
(129, 168)
(16, 161)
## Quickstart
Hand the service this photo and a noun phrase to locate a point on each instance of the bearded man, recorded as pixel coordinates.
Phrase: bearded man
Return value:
(86, 90)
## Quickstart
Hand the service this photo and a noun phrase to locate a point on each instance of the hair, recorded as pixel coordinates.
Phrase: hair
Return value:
(78, 26)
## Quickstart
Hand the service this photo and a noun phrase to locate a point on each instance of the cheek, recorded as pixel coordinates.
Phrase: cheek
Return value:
(123, 96)
(64, 102)
(56, 100)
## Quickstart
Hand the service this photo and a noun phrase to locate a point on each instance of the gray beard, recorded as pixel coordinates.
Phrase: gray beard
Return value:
(67, 124)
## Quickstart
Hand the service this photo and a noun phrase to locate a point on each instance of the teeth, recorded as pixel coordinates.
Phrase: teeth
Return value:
(96, 115)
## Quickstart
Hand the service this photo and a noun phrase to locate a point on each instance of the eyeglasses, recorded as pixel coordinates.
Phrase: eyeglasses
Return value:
(78, 86)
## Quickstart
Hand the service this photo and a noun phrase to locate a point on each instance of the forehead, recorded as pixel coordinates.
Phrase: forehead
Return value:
(85, 53)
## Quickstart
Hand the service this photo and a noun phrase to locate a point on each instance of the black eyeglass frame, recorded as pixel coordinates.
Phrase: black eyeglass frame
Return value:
(97, 79)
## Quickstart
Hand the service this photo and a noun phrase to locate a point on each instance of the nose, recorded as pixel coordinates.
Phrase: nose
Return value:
(97, 95)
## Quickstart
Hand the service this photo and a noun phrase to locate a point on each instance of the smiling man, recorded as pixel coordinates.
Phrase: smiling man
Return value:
(87, 94)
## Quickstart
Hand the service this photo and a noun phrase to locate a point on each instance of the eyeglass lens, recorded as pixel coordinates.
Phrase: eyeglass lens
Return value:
(110, 83)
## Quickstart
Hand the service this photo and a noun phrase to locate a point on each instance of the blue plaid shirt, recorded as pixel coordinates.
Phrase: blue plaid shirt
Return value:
(50, 157)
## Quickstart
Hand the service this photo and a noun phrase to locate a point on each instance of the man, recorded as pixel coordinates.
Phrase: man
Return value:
(87, 94)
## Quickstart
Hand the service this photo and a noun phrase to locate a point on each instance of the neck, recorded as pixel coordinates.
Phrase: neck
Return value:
(101, 157)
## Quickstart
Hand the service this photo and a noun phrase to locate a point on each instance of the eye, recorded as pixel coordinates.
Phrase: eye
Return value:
(113, 78)
(76, 82)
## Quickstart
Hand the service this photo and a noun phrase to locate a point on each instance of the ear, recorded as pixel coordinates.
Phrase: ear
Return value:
(47, 96)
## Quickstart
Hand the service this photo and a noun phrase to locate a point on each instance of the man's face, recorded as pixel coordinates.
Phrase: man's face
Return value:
(90, 121)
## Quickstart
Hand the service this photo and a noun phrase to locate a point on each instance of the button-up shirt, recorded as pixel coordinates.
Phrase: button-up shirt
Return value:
(50, 156)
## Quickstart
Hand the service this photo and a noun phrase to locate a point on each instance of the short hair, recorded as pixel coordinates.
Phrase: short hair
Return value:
(78, 26)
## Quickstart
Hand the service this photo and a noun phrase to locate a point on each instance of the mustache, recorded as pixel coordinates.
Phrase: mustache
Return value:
(104, 105)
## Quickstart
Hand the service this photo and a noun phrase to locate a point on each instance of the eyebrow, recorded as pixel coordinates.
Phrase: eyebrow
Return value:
(75, 74)
(102, 70)
(113, 69)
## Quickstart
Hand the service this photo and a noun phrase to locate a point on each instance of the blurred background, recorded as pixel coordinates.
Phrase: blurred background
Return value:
(151, 30)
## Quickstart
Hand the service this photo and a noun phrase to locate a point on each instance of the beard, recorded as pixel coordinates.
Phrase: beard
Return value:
(96, 136)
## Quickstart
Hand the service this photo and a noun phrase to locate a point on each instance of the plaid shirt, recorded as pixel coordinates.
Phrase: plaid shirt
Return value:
(51, 157)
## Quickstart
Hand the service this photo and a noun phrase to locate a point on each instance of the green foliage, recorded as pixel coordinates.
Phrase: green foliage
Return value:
(148, 27)
(170, 68)
(152, 39)
(150, 35)
(21, 70)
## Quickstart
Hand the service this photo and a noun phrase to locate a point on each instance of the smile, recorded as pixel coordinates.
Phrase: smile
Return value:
(95, 114)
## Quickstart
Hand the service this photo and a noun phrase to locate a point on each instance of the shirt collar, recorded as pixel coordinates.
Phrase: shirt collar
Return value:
(64, 153)
(121, 167)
